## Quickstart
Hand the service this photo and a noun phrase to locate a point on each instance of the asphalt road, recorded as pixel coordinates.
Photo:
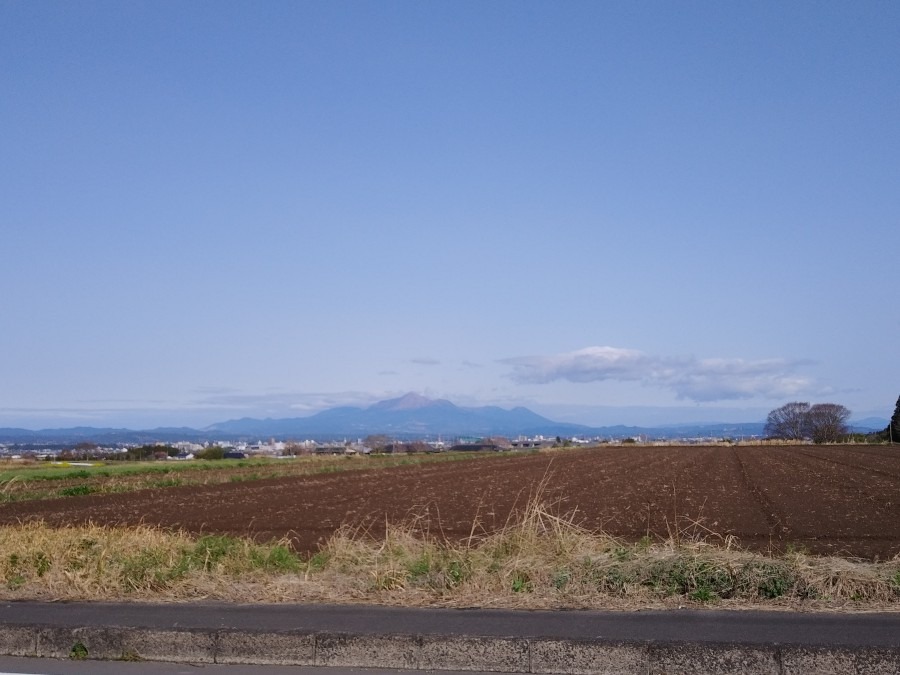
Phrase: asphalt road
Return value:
(740, 627)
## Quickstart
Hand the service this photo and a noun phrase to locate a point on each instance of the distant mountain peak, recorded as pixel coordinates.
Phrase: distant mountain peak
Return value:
(410, 401)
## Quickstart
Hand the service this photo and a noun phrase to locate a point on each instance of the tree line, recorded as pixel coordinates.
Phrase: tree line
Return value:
(821, 422)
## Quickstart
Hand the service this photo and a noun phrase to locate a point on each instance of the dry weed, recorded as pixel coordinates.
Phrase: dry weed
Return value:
(539, 560)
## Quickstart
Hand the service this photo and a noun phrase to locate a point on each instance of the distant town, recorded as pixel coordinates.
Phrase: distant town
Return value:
(226, 449)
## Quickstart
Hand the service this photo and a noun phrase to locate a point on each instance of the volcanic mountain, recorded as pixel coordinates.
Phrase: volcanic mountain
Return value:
(412, 415)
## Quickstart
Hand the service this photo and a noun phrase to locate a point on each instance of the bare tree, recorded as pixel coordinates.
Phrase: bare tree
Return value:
(377, 442)
(788, 422)
(827, 422)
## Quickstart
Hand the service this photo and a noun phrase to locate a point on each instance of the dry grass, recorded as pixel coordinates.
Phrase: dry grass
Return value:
(546, 561)
(540, 560)
(141, 563)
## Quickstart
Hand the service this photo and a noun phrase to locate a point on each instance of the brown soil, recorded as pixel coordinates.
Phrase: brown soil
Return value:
(824, 499)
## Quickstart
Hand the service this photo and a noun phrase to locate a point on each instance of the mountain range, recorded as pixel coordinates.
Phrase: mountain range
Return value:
(410, 416)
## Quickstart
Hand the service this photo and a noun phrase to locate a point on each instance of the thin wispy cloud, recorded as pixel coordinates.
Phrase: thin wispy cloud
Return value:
(61, 413)
(210, 390)
(701, 380)
(297, 402)
(425, 361)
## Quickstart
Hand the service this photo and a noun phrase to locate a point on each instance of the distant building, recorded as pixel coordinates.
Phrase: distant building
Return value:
(531, 443)
(476, 447)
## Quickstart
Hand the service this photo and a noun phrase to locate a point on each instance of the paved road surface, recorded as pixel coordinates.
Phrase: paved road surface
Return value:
(745, 627)
(344, 638)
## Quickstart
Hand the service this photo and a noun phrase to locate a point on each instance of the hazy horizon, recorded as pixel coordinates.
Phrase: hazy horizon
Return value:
(593, 416)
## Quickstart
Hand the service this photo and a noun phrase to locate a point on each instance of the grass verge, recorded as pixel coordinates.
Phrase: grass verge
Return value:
(539, 561)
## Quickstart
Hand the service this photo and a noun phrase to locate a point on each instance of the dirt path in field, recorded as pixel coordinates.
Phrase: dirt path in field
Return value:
(828, 499)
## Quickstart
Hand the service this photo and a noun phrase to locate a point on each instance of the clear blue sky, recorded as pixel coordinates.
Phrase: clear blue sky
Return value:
(605, 211)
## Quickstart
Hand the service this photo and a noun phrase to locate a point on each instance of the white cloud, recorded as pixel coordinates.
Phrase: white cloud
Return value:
(701, 380)
(728, 379)
(585, 365)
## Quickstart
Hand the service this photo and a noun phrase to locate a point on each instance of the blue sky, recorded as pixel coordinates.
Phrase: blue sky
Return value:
(608, 212)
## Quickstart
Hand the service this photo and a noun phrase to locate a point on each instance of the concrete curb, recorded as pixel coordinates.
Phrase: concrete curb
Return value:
(434, 652)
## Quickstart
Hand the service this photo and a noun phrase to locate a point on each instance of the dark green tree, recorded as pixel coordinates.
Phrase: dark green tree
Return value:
(212, 452)
(892, 431)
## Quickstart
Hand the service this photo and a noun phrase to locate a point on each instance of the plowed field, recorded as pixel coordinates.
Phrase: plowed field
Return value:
(826, 499)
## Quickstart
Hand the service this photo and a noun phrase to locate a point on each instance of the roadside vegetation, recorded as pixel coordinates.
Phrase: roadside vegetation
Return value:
(538, 561)
(46, 480)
